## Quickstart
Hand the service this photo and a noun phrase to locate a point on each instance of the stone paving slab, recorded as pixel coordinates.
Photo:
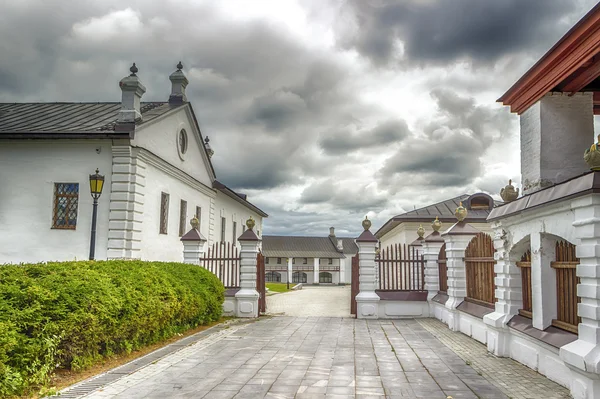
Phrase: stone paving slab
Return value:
(314, 357)
(323, 300)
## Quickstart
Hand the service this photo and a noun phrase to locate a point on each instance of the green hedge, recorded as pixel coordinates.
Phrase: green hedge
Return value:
(72, 314)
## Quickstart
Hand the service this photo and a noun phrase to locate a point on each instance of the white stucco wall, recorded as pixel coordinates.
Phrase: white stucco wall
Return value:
(168, 247)
(28, 171)
(232, 210)
(160, 137)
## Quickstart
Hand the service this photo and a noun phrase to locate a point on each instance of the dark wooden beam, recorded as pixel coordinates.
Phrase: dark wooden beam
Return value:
(583, 77)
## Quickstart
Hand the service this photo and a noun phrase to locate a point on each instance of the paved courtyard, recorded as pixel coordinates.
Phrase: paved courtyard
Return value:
(325, 300)
(322, 357)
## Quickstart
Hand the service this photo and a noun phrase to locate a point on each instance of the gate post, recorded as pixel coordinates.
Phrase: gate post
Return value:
(457, 239)
(367, 300)
(431, 246)
(247, 296)
(193, 243)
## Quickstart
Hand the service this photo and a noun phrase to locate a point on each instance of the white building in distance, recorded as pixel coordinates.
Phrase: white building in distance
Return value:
(157, 170)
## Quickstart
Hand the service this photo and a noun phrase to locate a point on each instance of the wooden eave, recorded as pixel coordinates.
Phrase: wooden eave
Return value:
(569, 66)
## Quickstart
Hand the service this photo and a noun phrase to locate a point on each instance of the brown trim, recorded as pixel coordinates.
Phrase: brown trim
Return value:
(480, 303)
(551, 335)
(229, 292)
(564, 264)
(420, 296)
(523, 264)
(565, 326)
(525, 313)
(474, 309)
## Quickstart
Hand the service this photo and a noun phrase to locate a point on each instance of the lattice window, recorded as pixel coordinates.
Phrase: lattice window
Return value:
(298, 277)
(182, 217)
(305, 261)
(223, 221)
(279, 261)
(330, 261)
(566, 287)
(479, 264)
(325, 277)
(66, 201)
(164, 213)
(234, 232)
(525, 266)
(273, 277)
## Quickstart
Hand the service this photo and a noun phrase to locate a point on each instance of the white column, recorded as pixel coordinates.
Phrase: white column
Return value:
(247, 296)
(193, 244)
(290, 270)
(316, 271)
(583, 355)
(543, 281)
(508, 292)
(342, 279)
(367, 300)
(457, 275)
(431, 253)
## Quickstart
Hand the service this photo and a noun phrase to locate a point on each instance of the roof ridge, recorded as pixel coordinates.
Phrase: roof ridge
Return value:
(434, 204)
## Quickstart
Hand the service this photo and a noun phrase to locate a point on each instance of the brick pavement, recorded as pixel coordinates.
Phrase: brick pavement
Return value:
(286, 357)
(324, 300)
(514, 379)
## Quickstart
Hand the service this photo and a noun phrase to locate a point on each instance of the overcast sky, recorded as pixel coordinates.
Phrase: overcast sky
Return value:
(322, 111)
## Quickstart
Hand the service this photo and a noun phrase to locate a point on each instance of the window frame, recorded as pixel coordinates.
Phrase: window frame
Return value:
(163, 217)
(223, 228)
(69, 199)
(182, 216)
(234, 232)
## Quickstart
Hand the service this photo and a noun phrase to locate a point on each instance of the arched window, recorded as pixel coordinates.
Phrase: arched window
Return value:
(325, 277)
(443, 269)
(298, 277)
(273, 277)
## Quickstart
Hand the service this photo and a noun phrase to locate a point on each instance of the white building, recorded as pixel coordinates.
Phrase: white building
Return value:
(309, 260)
(157, 169)
(402, 229)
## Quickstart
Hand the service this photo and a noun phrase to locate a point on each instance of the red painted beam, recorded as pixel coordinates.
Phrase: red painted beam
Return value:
(583, 77)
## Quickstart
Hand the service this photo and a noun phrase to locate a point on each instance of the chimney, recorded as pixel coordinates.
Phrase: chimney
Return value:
(178, 84)
(132, 90)
(332, 232)
(340, 244)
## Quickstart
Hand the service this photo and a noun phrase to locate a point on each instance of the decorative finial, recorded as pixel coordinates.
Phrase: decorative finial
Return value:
(250, 223)
(509, 193)
(133, 70)
(206, 140)
(209, 149)
(461, 212)
(195, 223)
(421, 231)
(366, 224)
(436, 224)
(591, 156)
(97, 171)
(179, 66)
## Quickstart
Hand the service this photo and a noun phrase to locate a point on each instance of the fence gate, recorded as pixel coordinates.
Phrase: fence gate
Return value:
(223, 260)
(260, 283)
(354, 287)
(479, 264)
(401, 268)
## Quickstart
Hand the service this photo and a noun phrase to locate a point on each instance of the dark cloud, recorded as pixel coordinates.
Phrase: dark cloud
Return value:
(441, 32)
(342, 142)
(351, 197)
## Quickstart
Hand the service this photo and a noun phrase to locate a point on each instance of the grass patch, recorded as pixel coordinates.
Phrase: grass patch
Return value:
(278, 287)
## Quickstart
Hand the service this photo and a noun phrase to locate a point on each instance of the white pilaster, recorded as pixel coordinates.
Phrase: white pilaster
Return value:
(431, 253)
(367, 300)
(342, 271)
(247, 296)
(290, 271)
(543, 281)
(456, 244)
(583, 355)
(316, 270)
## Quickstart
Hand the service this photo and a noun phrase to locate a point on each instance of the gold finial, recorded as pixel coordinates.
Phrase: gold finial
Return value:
(195, 223)
(509, 193)
(461, 212)
(421, 231)
(366, 224)
(436, 224)
(250, 223)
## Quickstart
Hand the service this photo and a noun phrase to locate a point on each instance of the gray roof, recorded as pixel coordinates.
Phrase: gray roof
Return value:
(69, 119)
(444, 211)
(305, 247)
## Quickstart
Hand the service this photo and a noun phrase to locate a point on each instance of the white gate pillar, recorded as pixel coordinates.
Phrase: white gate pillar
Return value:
(457, 239)
(247, 296)
(290, 270)
(583, 356)
(316, 270)
(193, 243)
(367, 301)
(431, 247)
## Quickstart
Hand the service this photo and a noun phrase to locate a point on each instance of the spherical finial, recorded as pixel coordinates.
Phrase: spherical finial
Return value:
(461, 212)
(366, 224)
(250, 223)
(195, 223)
(133, 69)
(179, 66)
(436, 224)
(421, 231)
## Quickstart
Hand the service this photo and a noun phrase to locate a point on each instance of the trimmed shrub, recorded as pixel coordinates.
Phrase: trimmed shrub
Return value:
(72, 314)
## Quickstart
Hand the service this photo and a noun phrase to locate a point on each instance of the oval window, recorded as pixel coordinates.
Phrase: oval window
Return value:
(183, 141)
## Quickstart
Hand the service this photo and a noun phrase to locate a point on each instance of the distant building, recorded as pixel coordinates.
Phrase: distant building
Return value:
(311, 260)
(402, 229)
(157, 175)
